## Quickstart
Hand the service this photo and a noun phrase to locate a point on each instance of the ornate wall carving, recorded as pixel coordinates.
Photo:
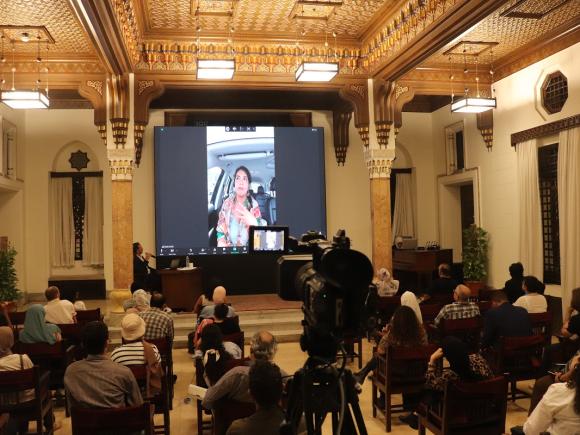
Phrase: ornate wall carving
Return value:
(379, 162)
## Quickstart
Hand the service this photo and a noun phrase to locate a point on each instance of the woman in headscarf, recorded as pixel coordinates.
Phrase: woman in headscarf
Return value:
(36, 330)
(410, 300)
(141, 301)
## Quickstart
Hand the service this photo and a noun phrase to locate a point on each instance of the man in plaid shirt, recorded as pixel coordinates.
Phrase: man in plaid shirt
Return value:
(461, 308)
(158, 323)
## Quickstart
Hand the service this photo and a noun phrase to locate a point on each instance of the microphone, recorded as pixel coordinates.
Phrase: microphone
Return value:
(151, 255)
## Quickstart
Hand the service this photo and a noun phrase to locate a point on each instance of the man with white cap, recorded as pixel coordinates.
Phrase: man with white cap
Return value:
(132, 352)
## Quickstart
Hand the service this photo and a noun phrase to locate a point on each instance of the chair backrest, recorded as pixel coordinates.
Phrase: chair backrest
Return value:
(467, 330)
(477, 407)
(140, 373)
(386, 307)
(85, 316)
(520, 355)
(17, 317)
(54, 357)
(72, 332)
(542, 325)
(14, 383)
(430, 311)
(227, 410)
(407, 365)
(88, 421)
(484, 306)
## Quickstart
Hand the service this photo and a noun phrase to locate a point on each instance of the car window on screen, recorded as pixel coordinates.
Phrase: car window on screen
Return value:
(213, 176)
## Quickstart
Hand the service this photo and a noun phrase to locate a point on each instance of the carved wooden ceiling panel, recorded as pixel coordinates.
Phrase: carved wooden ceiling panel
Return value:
(58, 18)
(350, 19)
(512, 33)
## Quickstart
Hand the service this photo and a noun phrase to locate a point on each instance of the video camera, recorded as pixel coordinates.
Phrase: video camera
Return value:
(333, 285)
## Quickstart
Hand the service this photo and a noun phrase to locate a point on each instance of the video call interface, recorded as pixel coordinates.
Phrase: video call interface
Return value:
(213, 183)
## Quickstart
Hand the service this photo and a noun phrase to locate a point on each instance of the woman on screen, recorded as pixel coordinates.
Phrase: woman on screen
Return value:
(239, 211)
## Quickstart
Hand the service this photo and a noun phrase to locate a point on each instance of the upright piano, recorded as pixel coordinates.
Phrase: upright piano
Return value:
(414, 267)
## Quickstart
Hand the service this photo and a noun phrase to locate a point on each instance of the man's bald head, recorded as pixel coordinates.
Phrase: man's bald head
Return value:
(462, 293)
(219, 295)
(263, 346)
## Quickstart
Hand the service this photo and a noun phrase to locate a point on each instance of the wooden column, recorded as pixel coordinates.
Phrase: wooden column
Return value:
(122, 205)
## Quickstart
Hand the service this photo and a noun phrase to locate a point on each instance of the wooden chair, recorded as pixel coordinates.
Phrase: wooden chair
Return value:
(484, 307)
(349, 341)
(51, 357)
(542, 325)
(386, 307)
(401, 370)
(165, 348)
(85, 316)
(520, 359)
(72, 334)
(39, 409)
(226, 411)
(475, 408)
(237, 338)
(160, 401)
(467, 330)
(430, 311)
(95, 421)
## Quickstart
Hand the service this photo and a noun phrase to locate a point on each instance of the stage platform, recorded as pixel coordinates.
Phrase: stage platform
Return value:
(256, 312)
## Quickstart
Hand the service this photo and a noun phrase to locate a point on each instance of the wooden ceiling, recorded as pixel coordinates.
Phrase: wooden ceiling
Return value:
(384, 39)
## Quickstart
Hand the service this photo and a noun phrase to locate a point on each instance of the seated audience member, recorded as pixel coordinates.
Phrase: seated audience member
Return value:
(203, 301)
(235, 383)
(558, 413)
(4, 315)
(11, 362)
(386, 285)
(571, 326)
(443, 285)
(504, 320)
(132, 351)
(96, 381)
(140, 301)
(36, 330)
(409, 299)
(215, 357)
(77, 304)
(533, 301)
(218, 297)
(513, 286)
(227, 325)
(58, 311)
(265, 384)
(460, 309)
(404, 329)
(463, 367)
(158, 323)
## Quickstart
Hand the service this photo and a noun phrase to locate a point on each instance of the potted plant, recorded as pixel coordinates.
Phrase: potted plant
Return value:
(475, 244)
(8, 279)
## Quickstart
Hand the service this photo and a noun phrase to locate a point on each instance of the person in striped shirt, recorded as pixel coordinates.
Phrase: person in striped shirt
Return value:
(131, 352)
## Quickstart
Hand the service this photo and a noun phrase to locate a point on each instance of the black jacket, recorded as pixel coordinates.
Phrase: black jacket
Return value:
(505, 321)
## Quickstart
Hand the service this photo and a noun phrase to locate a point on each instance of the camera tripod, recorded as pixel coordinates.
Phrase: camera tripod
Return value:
(318, 389)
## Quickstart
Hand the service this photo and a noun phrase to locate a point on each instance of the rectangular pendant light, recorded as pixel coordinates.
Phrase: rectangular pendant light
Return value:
(473, 105)
(316, 71)
(216, 69)
(25, 99)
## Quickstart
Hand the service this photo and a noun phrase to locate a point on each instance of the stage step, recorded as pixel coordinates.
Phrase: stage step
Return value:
(284, 324)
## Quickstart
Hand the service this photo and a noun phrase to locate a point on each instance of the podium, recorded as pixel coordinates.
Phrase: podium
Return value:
(181, 288)
(414, 267)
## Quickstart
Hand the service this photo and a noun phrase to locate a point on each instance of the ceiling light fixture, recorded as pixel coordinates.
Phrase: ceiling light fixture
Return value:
(468, 104)
(217, 69)
(318, 71)
(25, 99)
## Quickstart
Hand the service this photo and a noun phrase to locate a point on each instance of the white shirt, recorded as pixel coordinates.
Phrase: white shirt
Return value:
(533, 303)
(555, 413)
(60, 312)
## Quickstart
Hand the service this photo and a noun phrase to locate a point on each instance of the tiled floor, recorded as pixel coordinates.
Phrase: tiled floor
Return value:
(290, 358)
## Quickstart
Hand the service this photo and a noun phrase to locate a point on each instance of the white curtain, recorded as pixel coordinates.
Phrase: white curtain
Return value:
(93, 228)
(404, 213)
(530, 219)
(569, 211)
(62, 235)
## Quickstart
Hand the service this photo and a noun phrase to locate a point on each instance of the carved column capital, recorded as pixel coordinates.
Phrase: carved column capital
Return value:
(379, 162)
(121, 163)
(357, 95)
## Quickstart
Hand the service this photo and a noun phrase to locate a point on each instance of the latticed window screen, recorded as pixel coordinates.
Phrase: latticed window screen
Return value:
(78, 183)
(548, 168)
(555, 92)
